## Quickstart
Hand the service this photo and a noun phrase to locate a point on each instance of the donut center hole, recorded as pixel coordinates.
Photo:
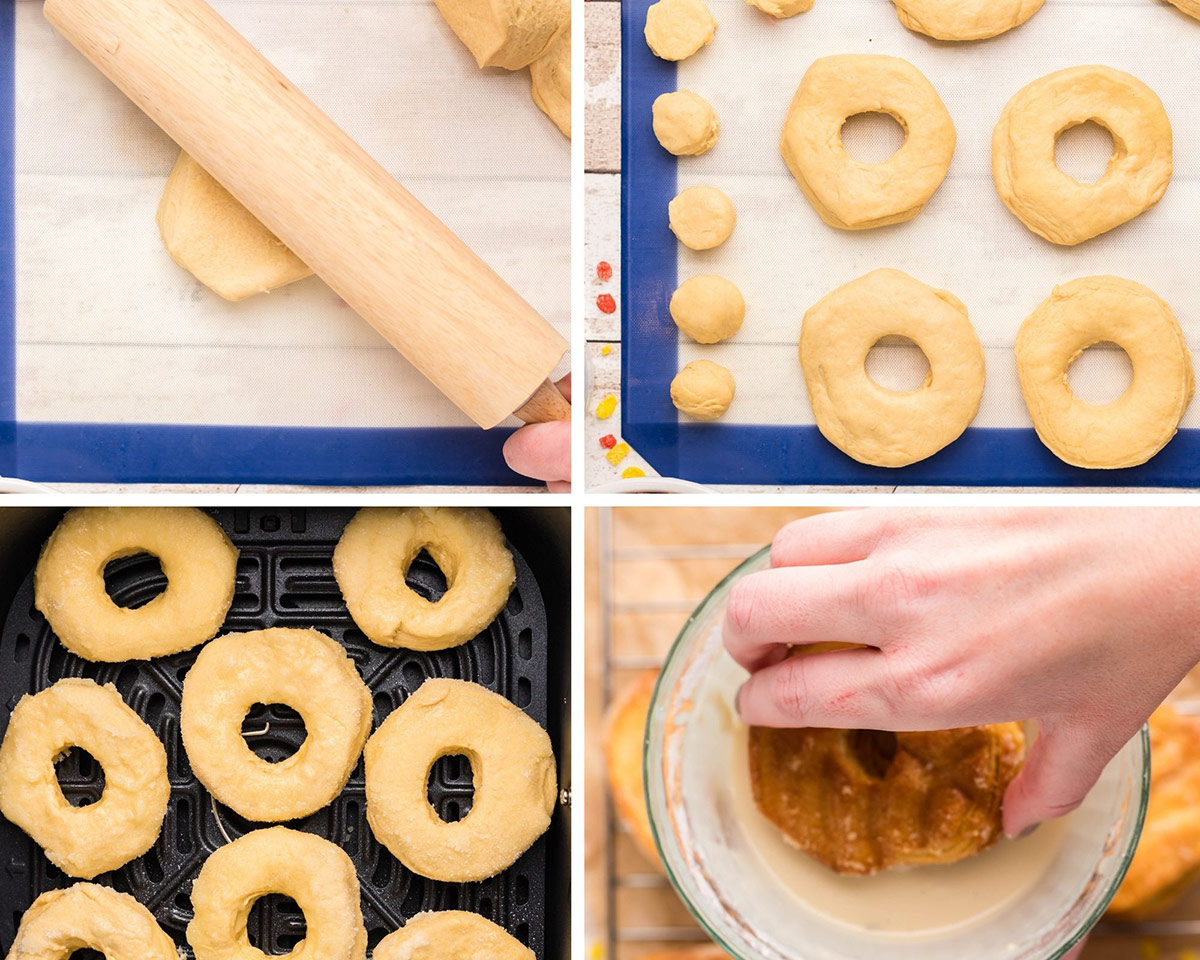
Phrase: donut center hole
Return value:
(1101, 374)
(275, 924)
(451, 787)
(896, 363)
(875, 751)
(273, 731)
(425, 578)
(872, 137)
(134, 581)
(80, 777)
(1084, 151)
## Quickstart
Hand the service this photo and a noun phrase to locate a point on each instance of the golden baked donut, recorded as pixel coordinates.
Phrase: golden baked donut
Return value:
(125, 821)
(87, 915)
(848, 193)
(861, 801)
(315, 873)
(303, 669)
(379, 545)
(965, 19)
(512, 764)
(197, 558)
(625, 733)
(1139, 423)
(1055, 205)
(451, 935)
(890, 428)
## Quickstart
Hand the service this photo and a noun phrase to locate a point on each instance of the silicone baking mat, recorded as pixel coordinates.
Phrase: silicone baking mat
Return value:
(784, 258)
(117, 365)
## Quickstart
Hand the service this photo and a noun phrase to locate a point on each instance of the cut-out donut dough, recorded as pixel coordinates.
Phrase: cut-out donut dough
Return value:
(675, 29)
(507, 33)
(216, 239)
(1139, 423)
(87, 915)
(851, 194)
(870, 423)
(702, 217)
(708, 309)
(550, 79)
(1190, 7)
(965, 19)
(451, 935)
(703, 390)
(1057, 206)
(685, 123)
(782, 8)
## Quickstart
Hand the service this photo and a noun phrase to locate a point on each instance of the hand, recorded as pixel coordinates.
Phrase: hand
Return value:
(543, 450)
(1081, 620)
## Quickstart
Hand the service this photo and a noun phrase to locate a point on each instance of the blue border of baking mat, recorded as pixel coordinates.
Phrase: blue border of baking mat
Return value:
(748, 454)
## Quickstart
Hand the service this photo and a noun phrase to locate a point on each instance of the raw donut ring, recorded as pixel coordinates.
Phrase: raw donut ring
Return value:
(315, 873)
(1135, 426)
(1057, 206)
(848, 193)
(512, 763)
(379, 545)
(874, 425)
(125, 821)
(199, 562)
(301, 668)
(61, 922)
(451, 935)
(972, 20)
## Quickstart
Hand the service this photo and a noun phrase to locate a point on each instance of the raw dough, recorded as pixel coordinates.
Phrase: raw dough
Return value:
(965, 19)
(849, 193)
(550, 78)
(874, 425)
(451, 935)
(87, 915)
(221, 243)
(685, 123)
(703, 390)
(507, 33)
(702, 217)
(676, 29)
(1135, 426)
(1190, 7)
(782, 8)
(708, 309)
(1055, 205)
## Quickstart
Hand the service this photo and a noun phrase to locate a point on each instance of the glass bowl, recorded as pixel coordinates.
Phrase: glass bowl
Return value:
(714, 866)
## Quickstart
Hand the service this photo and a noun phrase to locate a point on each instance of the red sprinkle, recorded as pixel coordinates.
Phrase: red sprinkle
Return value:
(606, 303)
(604, 270)
(608, 441)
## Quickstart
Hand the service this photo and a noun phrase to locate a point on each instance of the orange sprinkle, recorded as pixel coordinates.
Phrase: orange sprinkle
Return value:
(606, 303)
(608, 441)
(604, 270)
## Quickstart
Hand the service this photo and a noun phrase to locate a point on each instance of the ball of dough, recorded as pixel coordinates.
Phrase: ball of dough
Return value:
(782, 8)
(685, 123)
(1190, 7)
(964, 19)
(703, 390)
(506, 33)
(551, 83)
(702, 217)
(676, 29)
(708, 309)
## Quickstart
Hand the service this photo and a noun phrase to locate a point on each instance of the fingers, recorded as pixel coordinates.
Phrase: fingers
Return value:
(564, 386)
(541, 451)
(840, 537)
(845, 688)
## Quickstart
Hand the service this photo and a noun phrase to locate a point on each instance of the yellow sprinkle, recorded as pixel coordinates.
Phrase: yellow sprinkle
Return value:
(618, 453)
(605, 409)
(597, 951)
(630, 473)
(606, 350)
(1148, 949)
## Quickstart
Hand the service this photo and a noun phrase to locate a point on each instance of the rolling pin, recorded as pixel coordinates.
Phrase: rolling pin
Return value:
(319, 192)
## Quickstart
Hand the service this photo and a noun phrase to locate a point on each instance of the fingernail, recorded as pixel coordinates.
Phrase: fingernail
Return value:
(737, 700)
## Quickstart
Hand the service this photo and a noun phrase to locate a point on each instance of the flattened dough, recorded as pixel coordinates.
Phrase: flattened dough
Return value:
(782, 8)
(675, 29)
(550, 79)
(507, 33)
(965, 19)
(703, 390)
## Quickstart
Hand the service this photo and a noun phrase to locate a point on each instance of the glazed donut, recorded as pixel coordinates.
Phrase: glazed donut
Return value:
(303, 669)
(1057, 206)
(874, 425)
(451, 935)
(848, 193)
(87, 915)
(1135, 426)
(125, 821)
(315, 873)
(379, 545)
(970, 20)
(199, 562)
(512, 763)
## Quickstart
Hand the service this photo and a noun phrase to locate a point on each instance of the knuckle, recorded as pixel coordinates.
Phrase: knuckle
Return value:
(742, 607)
(893, 586)
(781, 545)
(791, 692)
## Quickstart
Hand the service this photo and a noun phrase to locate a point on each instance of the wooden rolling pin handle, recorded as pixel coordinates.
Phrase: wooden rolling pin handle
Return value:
(546, 405)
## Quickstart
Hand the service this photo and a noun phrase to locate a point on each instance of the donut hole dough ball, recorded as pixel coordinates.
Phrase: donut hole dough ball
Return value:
(507, 33)
(89, 916)
(852, 194)
(708, 309)
(1055, 205)
(197, 558)
(125, 822)
(703, 390)
(512, 763)
(303, 669)
(1134, 427)
(868, 422)
(675, 29)
(702, 217)
(685, 123)
(315, 873)
(781, 9)
(380, 544)
(965, 19)
(451, 935)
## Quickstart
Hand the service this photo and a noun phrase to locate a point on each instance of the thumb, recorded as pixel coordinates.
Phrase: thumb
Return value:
(541, 451)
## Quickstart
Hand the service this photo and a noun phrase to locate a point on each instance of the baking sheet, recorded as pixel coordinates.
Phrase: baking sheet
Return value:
(121, 366)
(784, 259)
